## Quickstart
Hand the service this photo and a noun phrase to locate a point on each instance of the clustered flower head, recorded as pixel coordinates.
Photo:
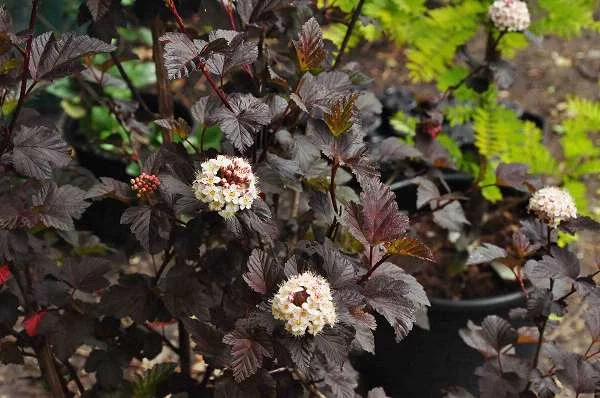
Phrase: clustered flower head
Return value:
(304, 302)
(510, 15)
(226, 185)
(145, 184)
(552, 205)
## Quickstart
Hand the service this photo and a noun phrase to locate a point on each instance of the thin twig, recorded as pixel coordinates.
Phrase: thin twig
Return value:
(332, 196)
(185, 361)
(168, 256)
(24, 74)
(351, 25)
(129, 83)
(366, 276)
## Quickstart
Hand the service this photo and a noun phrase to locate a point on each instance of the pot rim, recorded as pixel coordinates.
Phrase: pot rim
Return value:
(485, 304)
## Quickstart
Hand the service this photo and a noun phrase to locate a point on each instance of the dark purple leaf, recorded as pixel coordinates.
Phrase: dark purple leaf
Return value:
(66, 332)
(389, 298)
(37, 151)
(486, 253)
(109, 187)
(240, 52)
(9, 312)
(240, 125)
(561, 266)
(58, 206)
(98, 8)
(581, 223)
(592, 321)
(263, 273)
(248, 352)
(333, 344)
(575, 372)
(301, 351)
(183, 56)
(257, 10)
(392, 149)
(310, 48)
(150, 226)
(10, 353)
(85, 273)
(51, 58)
(502, 382)
(132, 297)
(457, 392)
(514, 175)
(451, 217)
(491, 337)
(426, 192)
(377, 219)
(341, 380)
(182, 293)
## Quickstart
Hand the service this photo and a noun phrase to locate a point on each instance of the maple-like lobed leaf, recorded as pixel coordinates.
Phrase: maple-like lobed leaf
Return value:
(37, 151)
(52, 58)
(341, 114)
(310, 48)
(182, 55)
(58, 206)
(150, 226)
(491, 337)
(389, 297)
(247, 352)
(409, 246)
(377, 219)
(240, 124)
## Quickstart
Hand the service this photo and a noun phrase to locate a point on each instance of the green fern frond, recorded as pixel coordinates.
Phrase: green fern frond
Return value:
(501, 135)
(565, 18)
(434, 38)
(145, 386)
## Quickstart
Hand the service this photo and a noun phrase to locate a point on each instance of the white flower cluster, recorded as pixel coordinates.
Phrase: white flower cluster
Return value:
(304, 302)
(552, 205)
(226, 185)
(510, 15)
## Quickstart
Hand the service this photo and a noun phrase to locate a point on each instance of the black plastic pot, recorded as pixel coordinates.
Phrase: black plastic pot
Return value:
(425, 362)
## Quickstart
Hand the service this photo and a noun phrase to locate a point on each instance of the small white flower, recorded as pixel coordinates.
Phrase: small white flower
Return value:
(302, 311)
(552, 205)
(246, 201)
(510, 15)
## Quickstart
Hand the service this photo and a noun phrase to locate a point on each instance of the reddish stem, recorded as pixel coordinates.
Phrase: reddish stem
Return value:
(178, 18)
(24, 73)
(206, 74)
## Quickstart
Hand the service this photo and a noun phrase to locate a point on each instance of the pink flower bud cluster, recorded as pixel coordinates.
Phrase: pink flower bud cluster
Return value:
(305, 303)
(226, 185)
(145, 184)
(510, 15)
